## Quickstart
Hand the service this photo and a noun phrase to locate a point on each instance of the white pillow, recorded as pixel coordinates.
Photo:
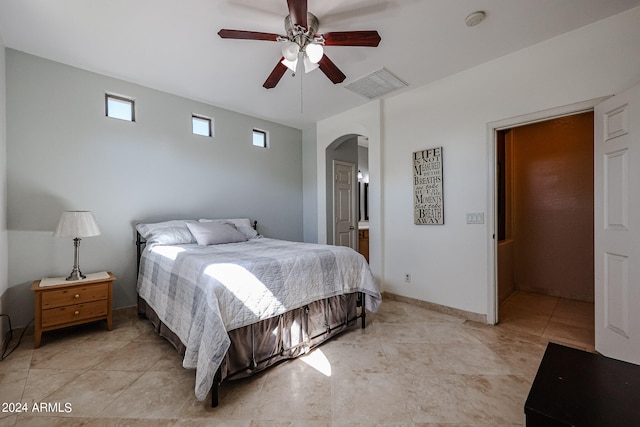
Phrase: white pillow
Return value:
(173, 232)
(215, 233)
(242, 224)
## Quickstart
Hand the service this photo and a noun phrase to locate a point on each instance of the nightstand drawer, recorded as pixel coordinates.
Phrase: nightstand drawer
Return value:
(76, 295)
(74, 313)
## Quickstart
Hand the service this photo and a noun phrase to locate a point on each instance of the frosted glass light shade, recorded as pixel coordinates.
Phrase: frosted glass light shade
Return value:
(77, 224)
(308, 65)
(290, 64)
(314, 52)
(290, 51)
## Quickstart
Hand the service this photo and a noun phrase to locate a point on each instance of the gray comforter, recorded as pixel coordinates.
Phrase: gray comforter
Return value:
(201, 292)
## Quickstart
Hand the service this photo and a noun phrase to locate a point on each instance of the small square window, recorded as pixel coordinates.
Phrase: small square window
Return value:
(119, 107)
(201, 125)
(259, 138)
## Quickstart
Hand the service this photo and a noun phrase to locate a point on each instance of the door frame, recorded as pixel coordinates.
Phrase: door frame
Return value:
(492, 186)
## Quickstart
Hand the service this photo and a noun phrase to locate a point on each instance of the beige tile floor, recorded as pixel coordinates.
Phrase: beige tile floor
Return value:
(409, 367)
(560, 320)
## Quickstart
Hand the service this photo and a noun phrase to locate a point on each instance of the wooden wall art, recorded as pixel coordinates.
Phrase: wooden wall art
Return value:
(428, 198)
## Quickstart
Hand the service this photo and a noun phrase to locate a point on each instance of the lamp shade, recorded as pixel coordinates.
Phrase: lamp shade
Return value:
(77, 224)
(290, 51)
(292, 65)
(314, 52)
(308, 65)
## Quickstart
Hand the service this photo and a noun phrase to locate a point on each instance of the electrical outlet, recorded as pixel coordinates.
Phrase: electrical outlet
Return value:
(407, 277)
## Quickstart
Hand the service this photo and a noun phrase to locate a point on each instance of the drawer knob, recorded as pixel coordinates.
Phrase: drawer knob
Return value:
(76, 296)
(76, 313)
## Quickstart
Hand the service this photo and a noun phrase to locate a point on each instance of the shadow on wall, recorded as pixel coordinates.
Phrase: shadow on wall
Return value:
(20, 295)
(4, 324)
(35, 211)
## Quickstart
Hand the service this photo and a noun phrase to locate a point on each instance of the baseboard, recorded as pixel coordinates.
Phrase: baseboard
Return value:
(555, 293)
(469, 315)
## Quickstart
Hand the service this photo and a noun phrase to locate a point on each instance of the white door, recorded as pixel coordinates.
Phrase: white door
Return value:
(344, 212)
(617, 226)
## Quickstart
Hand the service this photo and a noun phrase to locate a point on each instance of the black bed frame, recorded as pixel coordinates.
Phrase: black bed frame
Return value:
(253, 363)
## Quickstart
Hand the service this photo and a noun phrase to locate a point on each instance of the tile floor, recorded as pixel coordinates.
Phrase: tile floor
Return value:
(409, 367)
(560, 320)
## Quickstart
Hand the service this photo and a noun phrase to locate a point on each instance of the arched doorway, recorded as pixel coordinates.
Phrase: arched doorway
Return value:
(347, 184)
(363, 121)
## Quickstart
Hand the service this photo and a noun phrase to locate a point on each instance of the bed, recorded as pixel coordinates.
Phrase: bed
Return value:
(233, 302)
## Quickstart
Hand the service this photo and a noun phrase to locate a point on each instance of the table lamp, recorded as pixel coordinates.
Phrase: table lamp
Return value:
(77, 224)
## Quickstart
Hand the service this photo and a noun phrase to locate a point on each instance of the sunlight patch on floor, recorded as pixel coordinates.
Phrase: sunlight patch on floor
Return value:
(318, 361)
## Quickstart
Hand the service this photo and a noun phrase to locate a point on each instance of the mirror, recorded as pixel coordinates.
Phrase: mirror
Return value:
(363, 201)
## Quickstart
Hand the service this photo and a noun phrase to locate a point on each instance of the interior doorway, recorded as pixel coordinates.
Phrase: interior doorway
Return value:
(348, 193)
(544, 198)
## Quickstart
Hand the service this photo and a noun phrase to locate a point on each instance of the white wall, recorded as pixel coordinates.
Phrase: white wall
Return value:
(65, 154)
(449, 264)
(4, 275)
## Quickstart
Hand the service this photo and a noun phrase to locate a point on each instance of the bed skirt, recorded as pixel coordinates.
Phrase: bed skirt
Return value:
(260, 345)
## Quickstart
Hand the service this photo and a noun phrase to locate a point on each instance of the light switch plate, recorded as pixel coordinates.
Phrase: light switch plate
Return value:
(475, 217)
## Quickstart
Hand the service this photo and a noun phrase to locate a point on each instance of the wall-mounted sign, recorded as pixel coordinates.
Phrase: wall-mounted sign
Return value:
(428, 199)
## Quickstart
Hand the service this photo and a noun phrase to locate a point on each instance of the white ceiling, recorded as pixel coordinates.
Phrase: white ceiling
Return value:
(173, 45)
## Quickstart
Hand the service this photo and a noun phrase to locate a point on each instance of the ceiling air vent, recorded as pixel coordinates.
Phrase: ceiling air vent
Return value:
(376, 84)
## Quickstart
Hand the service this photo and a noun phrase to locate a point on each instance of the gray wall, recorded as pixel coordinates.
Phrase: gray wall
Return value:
(64, 154)
(310, 184)
(4, 300)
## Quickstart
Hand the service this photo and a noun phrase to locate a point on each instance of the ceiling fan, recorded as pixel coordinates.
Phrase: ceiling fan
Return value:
(301, 38)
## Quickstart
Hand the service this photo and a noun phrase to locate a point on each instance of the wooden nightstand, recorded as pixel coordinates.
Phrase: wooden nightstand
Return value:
(69, 304)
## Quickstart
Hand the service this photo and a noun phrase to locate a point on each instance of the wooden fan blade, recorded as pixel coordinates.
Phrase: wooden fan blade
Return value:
(247, 35)
(298, 12)
(330, 70)
(352, 38)
(275, 75)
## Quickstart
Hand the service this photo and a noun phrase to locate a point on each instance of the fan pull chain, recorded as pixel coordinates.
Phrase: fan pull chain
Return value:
(301, 99)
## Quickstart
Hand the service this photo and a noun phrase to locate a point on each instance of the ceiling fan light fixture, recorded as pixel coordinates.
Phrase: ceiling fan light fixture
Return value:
(302, 37)
(292, 65)
(309, 65)
(290, 51)
(314, 52)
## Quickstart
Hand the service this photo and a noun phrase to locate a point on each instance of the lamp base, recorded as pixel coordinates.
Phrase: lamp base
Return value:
(76, 274)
